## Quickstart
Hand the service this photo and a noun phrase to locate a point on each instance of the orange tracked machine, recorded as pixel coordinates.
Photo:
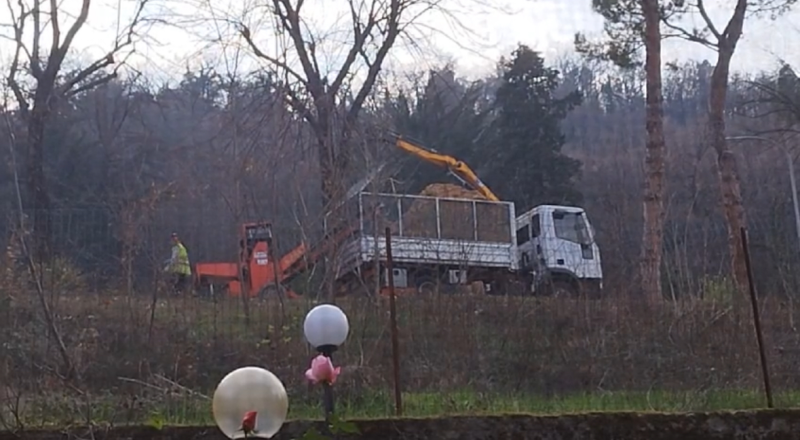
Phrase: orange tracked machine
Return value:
(259, 272)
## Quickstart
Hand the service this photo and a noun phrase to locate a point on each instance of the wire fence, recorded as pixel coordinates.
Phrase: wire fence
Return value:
(94, 347)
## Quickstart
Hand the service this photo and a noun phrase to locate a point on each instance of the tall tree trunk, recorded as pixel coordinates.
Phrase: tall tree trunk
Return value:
(653, 202)
(37, 185)
(332, 169)
(727, 170)
(332, 158)
(333, 164)
(728, 173)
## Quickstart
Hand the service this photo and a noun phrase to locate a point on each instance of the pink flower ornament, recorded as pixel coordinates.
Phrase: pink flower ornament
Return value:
(322, 370)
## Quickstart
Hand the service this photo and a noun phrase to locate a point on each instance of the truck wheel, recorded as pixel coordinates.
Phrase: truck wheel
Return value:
(593, 290)
(563, 289)
(518, 287)
(426, 286)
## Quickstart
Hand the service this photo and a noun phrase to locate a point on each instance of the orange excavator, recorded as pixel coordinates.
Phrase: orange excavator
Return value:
(258, 272)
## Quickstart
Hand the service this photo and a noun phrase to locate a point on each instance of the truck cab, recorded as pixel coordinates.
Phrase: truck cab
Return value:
(557, 251)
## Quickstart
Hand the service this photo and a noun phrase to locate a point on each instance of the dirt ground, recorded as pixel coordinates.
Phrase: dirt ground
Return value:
(755, 425)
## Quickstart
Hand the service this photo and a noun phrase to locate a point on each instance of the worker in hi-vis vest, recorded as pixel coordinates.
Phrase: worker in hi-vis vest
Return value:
(178, 264)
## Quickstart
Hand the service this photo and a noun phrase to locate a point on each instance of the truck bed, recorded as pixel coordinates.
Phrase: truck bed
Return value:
(431, 230)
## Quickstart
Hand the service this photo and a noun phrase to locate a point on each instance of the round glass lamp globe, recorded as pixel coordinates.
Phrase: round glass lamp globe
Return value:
(326, 324)
(250, 389)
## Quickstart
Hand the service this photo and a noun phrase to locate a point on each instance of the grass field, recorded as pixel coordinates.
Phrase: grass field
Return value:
(459, 355)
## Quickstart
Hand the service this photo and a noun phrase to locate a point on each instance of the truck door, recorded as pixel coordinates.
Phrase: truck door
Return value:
(536, 256)
(524, 247)
(572, 243)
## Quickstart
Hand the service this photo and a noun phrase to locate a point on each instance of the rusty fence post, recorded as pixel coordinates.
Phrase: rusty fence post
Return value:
(398, 397)
(757, 320)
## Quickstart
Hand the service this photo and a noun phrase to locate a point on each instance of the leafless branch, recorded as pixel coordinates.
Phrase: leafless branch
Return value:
(694, 36)
(701, 8)
(46, 75)
(390, 35)
(18, 24)
(49, 318)
(71, 87)
(244, 31)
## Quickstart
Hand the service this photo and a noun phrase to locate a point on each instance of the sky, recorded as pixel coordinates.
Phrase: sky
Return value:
(470, 34)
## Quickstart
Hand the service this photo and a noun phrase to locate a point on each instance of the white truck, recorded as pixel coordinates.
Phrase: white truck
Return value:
(556, 246)
(439, 243)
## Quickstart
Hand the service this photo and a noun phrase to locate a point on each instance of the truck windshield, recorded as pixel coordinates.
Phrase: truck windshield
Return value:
(572, 226)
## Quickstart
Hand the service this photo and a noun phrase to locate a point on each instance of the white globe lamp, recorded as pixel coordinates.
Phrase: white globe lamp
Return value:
(250, 389)
(326, 328)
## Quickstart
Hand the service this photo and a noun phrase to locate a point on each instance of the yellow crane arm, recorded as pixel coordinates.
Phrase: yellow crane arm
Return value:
(455, 166)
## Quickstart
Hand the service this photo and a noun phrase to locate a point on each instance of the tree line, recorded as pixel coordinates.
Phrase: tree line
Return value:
(103, 167)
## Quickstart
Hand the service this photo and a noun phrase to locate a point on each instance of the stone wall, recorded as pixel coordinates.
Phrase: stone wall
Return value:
(751, 425)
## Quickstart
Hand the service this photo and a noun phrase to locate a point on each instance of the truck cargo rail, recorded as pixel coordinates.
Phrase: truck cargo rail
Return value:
(428, 230)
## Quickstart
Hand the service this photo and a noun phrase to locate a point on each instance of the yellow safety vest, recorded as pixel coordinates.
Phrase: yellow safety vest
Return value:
(182, 266)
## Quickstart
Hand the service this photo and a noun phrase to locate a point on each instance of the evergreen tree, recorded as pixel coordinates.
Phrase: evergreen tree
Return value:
(445, 114)
(525, 164)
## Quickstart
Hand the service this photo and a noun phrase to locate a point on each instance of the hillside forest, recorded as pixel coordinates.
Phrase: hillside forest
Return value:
(124, 160)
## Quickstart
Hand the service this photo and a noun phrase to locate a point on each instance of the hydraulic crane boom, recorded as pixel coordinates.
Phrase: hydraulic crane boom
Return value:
(456, 167)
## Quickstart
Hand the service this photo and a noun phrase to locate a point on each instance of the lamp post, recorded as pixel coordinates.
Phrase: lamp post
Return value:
(250, 402)
(326, 328)
(790, 162)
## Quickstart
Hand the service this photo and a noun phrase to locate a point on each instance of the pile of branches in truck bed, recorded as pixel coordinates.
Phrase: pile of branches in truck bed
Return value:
(457, 221)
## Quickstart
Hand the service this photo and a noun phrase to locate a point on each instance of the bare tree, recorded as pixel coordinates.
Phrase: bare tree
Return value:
(42, 61)
(329, 104)
(625, 21)
(724, 43)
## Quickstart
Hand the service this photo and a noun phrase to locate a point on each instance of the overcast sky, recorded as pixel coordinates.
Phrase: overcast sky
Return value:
(545, 25)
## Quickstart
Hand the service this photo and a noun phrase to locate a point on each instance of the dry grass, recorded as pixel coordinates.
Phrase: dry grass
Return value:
(475, 347)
